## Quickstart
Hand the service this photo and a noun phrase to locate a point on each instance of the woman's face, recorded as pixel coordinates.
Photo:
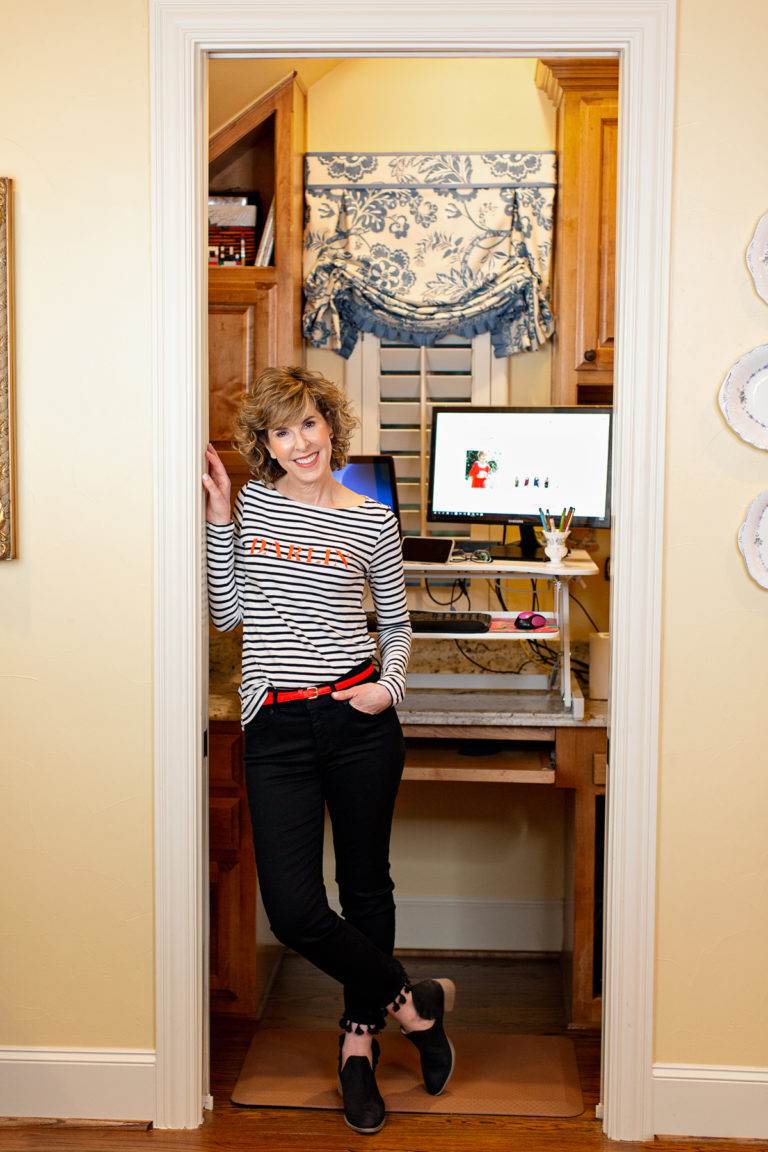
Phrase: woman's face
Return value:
(303, 449)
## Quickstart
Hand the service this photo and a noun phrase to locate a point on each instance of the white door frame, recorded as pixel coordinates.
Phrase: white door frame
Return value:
(183, 32)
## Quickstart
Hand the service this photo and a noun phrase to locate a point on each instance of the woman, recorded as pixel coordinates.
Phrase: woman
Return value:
(319, 720)
(480, 471)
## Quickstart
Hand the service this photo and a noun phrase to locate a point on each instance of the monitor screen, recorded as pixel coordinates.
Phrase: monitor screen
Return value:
(501, 465)
(372, 476)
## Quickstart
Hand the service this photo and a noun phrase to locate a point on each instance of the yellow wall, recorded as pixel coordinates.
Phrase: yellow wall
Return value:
(713, 846)
(76, 715)
(231, 83)
(76, 607)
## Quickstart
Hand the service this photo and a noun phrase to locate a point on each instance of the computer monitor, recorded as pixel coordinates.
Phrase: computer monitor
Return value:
(500, 465)
(372, 476)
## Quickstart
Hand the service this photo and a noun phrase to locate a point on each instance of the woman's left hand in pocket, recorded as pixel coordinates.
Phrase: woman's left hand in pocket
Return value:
(370, 698)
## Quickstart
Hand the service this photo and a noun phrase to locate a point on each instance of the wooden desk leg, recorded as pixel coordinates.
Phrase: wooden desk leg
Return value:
(579, 753)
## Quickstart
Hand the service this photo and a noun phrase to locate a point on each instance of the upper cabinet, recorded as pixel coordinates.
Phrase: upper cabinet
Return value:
(254, 313)
(585, 94)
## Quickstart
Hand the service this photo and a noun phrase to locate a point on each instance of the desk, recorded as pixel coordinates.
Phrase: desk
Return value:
(576, 564)
(556, 751)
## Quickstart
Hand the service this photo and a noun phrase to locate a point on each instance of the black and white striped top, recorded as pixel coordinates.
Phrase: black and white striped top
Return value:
(293, 575)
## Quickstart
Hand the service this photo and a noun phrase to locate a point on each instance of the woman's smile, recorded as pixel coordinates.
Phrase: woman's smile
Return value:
(306, 461)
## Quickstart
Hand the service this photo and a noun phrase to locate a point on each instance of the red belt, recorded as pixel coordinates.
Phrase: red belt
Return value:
(282, 696)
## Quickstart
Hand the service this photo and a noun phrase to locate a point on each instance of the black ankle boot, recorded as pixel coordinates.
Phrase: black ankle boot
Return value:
(432, 999)
(363, 1106)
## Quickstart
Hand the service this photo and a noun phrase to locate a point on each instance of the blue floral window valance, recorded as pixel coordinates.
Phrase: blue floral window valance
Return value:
(413, 246)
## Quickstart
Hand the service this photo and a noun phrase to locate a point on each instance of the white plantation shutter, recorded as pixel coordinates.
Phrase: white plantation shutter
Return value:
(457, 371)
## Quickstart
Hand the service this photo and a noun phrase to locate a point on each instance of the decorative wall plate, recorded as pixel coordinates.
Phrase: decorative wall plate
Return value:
(757, 257)
(753, 539)
(744, 397)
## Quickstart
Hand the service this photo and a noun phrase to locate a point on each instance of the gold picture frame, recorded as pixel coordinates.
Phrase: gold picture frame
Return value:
(7, 415)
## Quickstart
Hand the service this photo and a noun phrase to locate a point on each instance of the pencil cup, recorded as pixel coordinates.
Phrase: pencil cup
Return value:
(555, 546)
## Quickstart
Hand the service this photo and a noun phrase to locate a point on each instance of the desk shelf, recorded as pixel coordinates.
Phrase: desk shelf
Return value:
(508, 766)
(520, 634)
(577, 563)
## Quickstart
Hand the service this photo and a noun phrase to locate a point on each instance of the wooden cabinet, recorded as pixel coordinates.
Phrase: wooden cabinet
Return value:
(255, 312)
(581, 756)
(585, 93)
(243, 957)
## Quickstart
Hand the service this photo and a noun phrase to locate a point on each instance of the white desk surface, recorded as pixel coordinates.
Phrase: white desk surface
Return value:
(576, 563)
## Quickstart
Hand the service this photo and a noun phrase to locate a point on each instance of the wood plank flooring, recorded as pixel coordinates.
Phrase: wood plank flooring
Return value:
(503, 994)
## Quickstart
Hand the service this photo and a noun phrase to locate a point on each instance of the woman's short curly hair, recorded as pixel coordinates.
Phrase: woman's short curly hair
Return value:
(280, 396)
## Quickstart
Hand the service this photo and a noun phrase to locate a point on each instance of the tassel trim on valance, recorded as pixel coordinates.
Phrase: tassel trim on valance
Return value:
(407, 247)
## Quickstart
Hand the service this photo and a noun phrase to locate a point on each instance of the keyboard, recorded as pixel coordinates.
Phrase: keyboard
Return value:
(423, 621)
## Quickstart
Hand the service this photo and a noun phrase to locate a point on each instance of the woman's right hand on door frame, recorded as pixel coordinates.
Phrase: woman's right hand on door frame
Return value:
(217, 487)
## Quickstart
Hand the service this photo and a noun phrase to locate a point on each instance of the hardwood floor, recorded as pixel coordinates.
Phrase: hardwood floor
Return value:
(503, 994)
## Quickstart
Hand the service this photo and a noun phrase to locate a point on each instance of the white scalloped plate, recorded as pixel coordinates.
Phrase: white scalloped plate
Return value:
(753, 539)
(757, 257)
(744, 397)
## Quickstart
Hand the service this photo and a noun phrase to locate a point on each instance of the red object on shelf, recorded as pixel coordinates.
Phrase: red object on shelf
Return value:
(227, 238)
(504, 624)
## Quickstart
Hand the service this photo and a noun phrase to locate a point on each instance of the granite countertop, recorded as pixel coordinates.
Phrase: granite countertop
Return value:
(432, 705)
(524, 707)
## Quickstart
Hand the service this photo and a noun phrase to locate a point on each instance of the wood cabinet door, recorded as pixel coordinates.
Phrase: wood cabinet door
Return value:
(241, 343)
(585, 93)
(232, 876)
(243, 952)
(596, 256)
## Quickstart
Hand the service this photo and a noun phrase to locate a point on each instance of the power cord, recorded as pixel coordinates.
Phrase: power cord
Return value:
(476, 663)
(551, 660)
(590, 618)
(445, 603)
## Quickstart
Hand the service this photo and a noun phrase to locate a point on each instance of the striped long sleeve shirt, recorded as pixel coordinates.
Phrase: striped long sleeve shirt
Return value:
(293, 574)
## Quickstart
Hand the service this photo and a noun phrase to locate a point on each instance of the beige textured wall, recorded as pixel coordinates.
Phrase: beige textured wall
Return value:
(76, 607)
(711, 1002)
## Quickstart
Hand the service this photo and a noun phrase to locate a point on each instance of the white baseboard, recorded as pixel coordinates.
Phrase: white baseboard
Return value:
(78, 1083)
(706, 1100)
(442, 922)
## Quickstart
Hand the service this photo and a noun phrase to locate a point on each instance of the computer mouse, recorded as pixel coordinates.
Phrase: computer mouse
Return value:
(530, 620)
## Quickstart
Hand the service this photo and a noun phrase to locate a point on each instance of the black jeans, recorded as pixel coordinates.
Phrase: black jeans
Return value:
(299, 756)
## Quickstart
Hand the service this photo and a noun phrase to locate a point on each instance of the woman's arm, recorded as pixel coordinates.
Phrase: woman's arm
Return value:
(224, 560)
(387, 583)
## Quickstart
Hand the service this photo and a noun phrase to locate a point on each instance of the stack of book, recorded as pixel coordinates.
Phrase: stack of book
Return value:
(232, 232)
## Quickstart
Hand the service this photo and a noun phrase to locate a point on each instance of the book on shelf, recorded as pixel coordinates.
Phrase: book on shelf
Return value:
(267, 242)
(231, 212)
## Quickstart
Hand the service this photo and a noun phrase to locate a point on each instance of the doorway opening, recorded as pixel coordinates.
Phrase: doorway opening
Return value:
(498, 843)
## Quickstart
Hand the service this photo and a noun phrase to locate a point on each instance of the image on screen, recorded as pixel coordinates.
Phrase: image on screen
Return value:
(501, 464)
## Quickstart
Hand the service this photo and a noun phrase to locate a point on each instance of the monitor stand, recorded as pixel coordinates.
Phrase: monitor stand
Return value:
(527, 548)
